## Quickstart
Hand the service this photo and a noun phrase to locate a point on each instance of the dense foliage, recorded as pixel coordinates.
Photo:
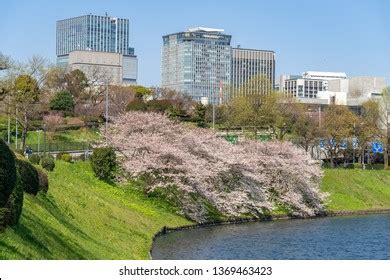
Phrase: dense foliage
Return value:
(7, 182)
(48, 163)
(103, 162)
(28, 176)
(207, 176)
(7, 173)
(34, 159)
(62, 101)
(43, 181)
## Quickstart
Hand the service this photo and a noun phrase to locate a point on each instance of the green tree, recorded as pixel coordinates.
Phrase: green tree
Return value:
(384, 109)
(62, 101)
(200, 115)
(76, 83)
(25, 95)
(103, 162)
(338, 126)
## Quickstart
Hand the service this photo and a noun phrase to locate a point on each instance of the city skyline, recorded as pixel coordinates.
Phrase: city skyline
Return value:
(348, 37)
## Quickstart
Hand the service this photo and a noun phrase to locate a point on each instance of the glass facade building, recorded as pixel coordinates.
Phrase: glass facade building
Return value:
(97, 43)
(201, 63)
(197, 63)
(93, 33)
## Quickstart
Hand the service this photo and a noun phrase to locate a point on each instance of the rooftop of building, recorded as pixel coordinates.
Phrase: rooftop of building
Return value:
(251, 49)
(106, 15)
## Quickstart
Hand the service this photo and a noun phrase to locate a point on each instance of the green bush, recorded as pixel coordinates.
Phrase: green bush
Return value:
(66, 157)
(62, 101)
(137, 105)
(28, 176)
(16, 203)
(103, 161)
(350, 166)
(4, 217)
(7, 173)
(34, 159)
(48, 163)
(43, 181)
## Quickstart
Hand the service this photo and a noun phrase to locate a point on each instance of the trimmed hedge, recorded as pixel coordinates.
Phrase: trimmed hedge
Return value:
(16, 204)
(7, 173)
(28, 176)
(48, 163)
(66, 157)
(34, 159)
(103, 162)
(43, 181)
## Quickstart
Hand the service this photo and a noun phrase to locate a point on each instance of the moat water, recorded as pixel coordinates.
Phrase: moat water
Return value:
(354, 237)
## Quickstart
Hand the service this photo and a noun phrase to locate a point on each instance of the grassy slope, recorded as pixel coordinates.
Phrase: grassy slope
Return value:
(357, 189)
(84, 218)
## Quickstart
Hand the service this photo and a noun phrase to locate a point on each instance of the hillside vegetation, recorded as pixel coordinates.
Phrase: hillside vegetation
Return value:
(357, 189)
(84, 218)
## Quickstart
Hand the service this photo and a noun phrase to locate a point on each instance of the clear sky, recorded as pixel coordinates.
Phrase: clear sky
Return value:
(348, 36)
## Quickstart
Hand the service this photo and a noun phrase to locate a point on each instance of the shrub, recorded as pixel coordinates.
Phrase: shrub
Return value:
(103, 161)
(28, 176)
(48, 163)
(7, 173)
(62, 101)
(66, 157)
(43, 181)
(350, 166)
(16, 203)
(136, 105)
(4, 217)
(34, 159)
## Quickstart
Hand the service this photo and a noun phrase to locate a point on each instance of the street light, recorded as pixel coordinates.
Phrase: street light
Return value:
(39, 139)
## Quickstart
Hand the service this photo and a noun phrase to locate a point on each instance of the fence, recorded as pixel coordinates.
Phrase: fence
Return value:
(61, 147)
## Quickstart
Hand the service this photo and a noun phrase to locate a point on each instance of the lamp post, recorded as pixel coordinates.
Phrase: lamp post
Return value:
(39, 140)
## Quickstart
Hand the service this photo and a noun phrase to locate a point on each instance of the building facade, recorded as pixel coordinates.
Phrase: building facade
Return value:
(256, 66)
(197, 63)
(309, 84)
(112, 68)
(93, 39)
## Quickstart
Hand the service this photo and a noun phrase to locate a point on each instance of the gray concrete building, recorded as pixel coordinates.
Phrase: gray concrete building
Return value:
(112, 68)
(94, 43)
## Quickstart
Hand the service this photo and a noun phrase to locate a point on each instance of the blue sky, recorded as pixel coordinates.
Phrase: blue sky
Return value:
(349, 36)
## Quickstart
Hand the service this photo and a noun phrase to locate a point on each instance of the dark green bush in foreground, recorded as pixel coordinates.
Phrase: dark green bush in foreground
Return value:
(48, 163)
(16, 204)
(7, 182)
(103, 161)
(28, 176)
(7, 173)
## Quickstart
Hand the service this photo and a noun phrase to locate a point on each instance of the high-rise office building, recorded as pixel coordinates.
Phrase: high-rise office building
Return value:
(197, 63)
(93, 38)
(255, 66)
(201, 63)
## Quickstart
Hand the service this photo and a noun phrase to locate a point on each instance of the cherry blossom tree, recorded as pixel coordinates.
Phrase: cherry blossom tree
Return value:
(205, 173)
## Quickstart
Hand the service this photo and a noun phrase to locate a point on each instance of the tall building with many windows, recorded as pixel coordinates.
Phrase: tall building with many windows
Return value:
(201, 63)
(197, 63)
(96, 38)
(255, 66)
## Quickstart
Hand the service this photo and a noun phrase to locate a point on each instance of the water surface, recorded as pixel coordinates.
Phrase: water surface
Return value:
(355, 237)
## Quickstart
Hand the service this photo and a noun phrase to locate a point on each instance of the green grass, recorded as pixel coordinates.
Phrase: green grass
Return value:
(84, 218)
(78, 135)
(357, 189)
